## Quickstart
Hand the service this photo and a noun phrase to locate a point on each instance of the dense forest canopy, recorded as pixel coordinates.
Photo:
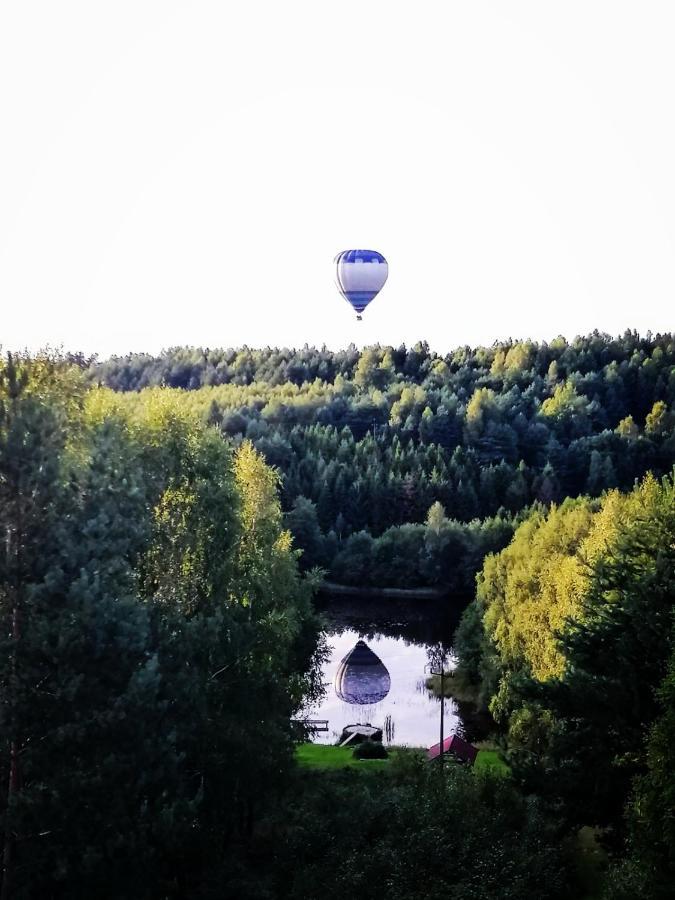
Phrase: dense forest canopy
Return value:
(154, 627)
(569, 641)
(368, 441)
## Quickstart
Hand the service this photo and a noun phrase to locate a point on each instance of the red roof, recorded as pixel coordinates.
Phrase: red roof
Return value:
(456, 745)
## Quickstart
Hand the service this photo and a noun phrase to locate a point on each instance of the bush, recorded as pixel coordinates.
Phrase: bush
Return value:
(370, 750)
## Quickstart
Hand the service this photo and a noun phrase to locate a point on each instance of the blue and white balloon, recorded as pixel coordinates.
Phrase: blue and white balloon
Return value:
(360, 275)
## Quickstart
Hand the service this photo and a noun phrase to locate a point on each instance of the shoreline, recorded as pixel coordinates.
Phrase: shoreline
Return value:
(333, 589)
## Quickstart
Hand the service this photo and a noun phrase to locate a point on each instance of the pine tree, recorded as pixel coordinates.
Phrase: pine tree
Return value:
(32, 442)
(78, 660)
(303, 523)
(648, 871)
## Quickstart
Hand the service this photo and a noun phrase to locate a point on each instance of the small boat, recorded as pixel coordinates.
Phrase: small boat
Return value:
(356, 734)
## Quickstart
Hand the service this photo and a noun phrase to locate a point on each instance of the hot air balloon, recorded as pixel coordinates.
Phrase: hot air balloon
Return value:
(362, 677)
(360, 275)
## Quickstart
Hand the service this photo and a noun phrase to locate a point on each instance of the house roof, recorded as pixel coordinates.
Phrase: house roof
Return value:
(454, 744)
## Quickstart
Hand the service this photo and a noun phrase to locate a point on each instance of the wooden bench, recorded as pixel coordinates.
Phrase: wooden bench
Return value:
(313, 724)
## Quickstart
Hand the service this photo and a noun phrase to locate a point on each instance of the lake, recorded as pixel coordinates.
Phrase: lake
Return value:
(392, 696)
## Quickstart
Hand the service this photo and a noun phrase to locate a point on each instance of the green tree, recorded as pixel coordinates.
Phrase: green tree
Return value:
(154, 628)
(627, 428)
(617, 653)
(648, 871)
(303, 523)
(658, 420)
(436, 518)
(407, 838)
(77, 666)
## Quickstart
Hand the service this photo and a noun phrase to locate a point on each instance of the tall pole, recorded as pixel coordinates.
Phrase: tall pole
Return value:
(440, 755)
(437, 668)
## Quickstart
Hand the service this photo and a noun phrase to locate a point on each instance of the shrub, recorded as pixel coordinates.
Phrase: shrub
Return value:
(370, 750)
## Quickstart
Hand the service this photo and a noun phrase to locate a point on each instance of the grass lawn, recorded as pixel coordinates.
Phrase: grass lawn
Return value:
(491, 760)
(323, 756)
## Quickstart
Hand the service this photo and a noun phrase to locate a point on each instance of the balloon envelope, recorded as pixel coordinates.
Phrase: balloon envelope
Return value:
(360, 275)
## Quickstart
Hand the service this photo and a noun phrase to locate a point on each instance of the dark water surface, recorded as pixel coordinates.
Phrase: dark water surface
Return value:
(402, 635)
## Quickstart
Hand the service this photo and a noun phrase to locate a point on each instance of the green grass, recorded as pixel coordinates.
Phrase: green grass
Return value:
(323, 756)
(491, 761)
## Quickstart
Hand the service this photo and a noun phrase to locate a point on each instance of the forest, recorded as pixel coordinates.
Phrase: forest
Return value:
(168, 522)
(569, 642)
(368, 443)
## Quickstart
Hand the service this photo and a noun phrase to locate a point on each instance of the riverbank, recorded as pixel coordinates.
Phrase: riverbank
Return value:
(456, 685)
(333, 589)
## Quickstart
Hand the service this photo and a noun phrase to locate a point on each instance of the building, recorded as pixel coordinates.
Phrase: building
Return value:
(456, 746)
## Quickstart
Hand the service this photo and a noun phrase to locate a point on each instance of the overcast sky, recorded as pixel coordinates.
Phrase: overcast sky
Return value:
(185, 172)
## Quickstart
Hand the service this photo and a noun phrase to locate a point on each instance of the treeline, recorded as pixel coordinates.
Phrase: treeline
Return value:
(369, 440)
(439, 553)
(153, 630)
(570, 642)
(190, 368)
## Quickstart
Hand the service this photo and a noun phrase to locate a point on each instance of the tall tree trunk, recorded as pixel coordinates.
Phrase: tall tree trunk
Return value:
(13, 780)
(12, 790)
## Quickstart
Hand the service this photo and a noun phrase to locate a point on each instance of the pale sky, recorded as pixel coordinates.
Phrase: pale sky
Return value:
(185, 172)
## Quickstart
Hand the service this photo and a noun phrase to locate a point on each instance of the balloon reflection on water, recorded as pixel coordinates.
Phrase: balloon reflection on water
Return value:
(362, 678)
